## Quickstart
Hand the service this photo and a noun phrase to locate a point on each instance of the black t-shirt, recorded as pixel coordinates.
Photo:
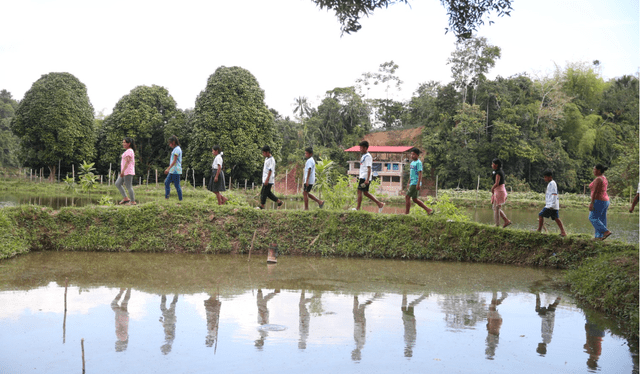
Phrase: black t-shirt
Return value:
(497, 172)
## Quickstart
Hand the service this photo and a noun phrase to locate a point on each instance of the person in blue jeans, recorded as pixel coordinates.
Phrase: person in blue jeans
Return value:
(174, 171)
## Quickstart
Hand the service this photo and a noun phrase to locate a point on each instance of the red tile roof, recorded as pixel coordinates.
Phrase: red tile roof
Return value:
(380, 149)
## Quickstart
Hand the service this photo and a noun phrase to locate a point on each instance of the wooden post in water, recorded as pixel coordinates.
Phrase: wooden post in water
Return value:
(477, 189)
(82, 345)
(64, 322)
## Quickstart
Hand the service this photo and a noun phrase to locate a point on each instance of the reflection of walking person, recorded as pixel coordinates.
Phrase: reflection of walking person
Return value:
(168, 320)
(309, 178)
(366, 163)
(494, 322)
(122, 319)
(127, 171)
(263, 315)
(409, 322)
(305, 319)
(360, 326)
(415, 180)
(212, 309)
(268, 178)
(217, 182)
(599, 203)
(552, 205)
(548, 317)
(593, 346)
(174, 171)
(498, 193)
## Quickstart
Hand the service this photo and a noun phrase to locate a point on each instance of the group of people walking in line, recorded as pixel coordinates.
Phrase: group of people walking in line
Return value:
(597, 208)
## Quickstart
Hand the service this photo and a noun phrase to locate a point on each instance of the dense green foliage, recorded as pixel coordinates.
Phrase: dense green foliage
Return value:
(9, 143)
(55, 123)
(149, 115)
(231, 112)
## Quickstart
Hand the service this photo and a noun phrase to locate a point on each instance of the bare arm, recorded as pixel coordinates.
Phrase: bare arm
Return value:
(495, 185)
(419, 180)
(308, 176)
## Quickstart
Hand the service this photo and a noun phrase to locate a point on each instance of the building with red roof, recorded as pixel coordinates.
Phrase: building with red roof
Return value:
(389, 165)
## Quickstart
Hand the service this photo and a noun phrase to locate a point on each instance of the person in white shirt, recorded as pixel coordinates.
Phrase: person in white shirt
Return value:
(217, 182)
(366, 163)
(268, 178)
(552, 205)
(309, 178)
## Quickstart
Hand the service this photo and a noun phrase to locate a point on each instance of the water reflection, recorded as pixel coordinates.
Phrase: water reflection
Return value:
(501, 319)
(548, 316)
(122, 319)
(494, 323)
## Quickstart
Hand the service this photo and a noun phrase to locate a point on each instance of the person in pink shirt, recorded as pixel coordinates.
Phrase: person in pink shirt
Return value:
(127, 171)
(599, 203)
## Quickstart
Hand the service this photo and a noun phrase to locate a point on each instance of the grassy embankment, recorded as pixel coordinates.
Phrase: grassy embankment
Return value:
(602, 274)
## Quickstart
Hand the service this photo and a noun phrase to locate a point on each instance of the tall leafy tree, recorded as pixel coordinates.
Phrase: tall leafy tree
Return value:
(55, 123)
(301, 107)
(231, 112)
(470, 62)
(9, 143)
(149, 115)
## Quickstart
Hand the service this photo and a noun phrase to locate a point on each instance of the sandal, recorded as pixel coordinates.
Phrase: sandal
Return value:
(604, 236)
(123, 201)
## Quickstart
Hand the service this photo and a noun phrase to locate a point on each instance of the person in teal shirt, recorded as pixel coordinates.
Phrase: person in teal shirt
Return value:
(174, 171)
(415, 180)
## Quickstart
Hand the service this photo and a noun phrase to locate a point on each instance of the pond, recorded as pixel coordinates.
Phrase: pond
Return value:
(199, 313)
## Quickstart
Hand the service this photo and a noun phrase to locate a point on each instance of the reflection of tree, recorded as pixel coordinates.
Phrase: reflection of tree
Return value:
(360, 326)
(263, 315)
(212, 309)
(409, 321)
(463, 311)
(168, 320)
(122, 319)
(494, 322)
(593, 346)
(548, 316)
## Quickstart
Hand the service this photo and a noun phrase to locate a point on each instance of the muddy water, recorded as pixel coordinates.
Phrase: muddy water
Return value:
(153, 313)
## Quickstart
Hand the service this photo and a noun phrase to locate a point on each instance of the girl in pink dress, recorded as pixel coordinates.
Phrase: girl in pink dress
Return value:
(498, 193)
(127, 171)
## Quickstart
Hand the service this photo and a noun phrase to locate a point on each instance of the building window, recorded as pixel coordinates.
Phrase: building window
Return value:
(356, 165)
(395, 179)
(377, 166)
(388, 166)
(386, 178)
(396, 167)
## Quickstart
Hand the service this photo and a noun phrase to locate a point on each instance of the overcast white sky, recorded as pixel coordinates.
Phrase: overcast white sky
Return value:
(292, 47)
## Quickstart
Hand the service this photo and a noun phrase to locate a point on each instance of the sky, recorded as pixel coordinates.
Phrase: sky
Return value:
(292, 47)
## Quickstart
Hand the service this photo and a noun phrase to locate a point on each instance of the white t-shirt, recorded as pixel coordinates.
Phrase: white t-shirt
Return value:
(638, 187)
(366, 161)
(551, 196)
(269, 164)
(310, 165)
(217, 161)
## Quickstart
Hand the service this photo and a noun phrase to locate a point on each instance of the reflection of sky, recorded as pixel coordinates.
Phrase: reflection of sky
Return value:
(32, 323)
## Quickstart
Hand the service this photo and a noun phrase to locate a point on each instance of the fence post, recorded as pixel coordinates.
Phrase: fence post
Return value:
(193, 174)
(245, 184)
(436, 186)
(156, 178)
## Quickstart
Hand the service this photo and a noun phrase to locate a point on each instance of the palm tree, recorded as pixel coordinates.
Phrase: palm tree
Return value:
(302, 107)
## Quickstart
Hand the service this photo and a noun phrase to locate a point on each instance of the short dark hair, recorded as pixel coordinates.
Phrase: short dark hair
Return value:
(173, 139)
(415, 150)
(364, 143)
(216, 148)
(497, 162)
(602, 168)
(266, 148)
(548, 173)
(309, 149)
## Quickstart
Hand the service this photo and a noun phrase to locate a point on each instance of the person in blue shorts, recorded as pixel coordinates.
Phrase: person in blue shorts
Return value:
(364, 178)
(415, 180)
(552, 205)
(174, 171)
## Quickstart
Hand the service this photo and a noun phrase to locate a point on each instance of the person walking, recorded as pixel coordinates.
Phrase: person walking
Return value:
(498, 193)
(552, 205)
(309, 178)
(415, 180)
(217, 182)
(268, 178)
(366, 163)
(127, 171)
(599, 203)
(174, 171)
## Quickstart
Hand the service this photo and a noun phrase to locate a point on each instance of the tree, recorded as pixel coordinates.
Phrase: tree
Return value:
(386, 110)
(149, 115)
(9, 143)
(231, 112)
(464, 15)
(471, 60)
(55, 123)
(302, 108)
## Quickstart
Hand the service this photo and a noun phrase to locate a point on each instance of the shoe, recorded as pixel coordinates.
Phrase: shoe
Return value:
(431, 212)
(506, 224)
(259, 208)
(280, 204)
(604, 236)
(122, 202)
(321, 205)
